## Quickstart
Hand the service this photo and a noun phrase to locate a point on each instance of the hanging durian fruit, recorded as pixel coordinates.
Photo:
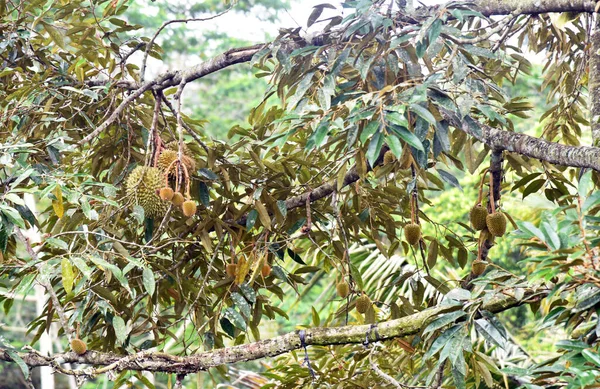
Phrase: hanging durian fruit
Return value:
(142, 188)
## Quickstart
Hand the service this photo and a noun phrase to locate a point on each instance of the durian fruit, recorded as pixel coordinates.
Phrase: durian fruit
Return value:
(143, 186)
(478, 267)
(189, 208)
(343, 290)
(266, 270)
(496, 223)
(363, 303)
(412, 233)
(177, 199)
(166, 193)
(478, 217)
(78, 346)
(167, 157)
(174, 145)
(230, 269)
(388, 157)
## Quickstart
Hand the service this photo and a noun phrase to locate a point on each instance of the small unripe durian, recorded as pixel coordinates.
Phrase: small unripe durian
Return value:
(496, 223)
(189, 208)
(177, 199)
(142, 188)
(78, 346)
(230, 269)
(266, 270)
(166, 193)
(343, 290)
(478, 267)
(363, 303)
(388, 157)
(478, 217)
(412, 233)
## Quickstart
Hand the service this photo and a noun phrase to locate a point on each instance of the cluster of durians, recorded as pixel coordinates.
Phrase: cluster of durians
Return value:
(148, 186)
(495, 222)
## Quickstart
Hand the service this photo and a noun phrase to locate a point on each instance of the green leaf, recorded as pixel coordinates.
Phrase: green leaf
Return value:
(148, 280)
(148, 229)
(295, 257)
(591, 356)
(241, 304)
(490, 333)
(120, 329)
(234, 317)
(394, 144)
(138, 213)
(13, 215)
(318, 136)
(449, 178)
(356, 276)
(374, 147)
(251, 219)
(588, 302)
(227, 326)
(441, 341)
(551, 237)
(282, 207)
(316, 12)
(209, 174)
(248, 292)
(27, 214)
(585, 184)
(443, 321)
(204, 193)
(19, 361)
(369, 130)
(408, 137)
(424, 113)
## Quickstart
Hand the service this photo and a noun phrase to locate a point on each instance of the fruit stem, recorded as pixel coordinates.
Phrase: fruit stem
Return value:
(186, 178)
(166, 173)
(480, 197)
(492, 201)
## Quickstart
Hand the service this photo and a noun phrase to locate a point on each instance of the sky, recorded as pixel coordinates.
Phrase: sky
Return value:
(247, 27)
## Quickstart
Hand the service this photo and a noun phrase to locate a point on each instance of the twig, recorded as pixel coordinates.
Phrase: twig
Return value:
(439, 376)
(165, 24)
(46, 284)
(137, 93)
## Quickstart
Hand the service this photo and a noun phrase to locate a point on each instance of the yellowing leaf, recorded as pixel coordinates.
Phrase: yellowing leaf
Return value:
(55, 34)
(57, 204)
(263, 215)
(68, 275)
(242, 271)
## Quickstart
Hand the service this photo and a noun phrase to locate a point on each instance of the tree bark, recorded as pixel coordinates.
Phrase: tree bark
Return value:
(322, 336)
(594, 81)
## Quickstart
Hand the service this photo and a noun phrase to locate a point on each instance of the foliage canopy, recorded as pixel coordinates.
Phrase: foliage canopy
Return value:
(362, 126)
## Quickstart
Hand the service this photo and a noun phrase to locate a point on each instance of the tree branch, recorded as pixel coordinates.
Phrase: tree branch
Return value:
(323, 336)
(594, 81)
(540, 149)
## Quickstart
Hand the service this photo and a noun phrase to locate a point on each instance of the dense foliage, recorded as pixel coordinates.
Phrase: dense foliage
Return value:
(362, 131)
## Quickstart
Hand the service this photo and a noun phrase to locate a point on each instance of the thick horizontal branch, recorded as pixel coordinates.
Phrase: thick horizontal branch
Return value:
(351, 334)
(531, 7)
(540, 149)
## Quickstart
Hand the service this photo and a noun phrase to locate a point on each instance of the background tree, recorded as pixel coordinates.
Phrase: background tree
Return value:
(332, 186)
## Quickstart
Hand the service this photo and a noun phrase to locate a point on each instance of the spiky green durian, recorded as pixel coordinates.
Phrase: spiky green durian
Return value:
(142, 188)
(477, 216)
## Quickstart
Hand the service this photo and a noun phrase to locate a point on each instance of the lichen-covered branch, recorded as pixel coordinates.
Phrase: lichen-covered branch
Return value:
(594, 81)
(540, 149)
(351, 334)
